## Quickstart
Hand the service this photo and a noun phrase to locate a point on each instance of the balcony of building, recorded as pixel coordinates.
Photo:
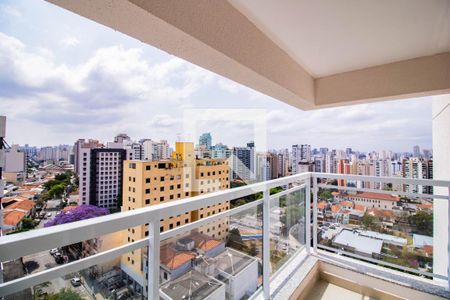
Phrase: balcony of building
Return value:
(295, 242)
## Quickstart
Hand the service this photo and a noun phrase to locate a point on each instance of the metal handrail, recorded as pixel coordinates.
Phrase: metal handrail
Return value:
(19, 245)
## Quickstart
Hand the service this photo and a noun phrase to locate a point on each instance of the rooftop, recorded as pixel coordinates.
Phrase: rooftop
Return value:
(192, 285)
(360, 243)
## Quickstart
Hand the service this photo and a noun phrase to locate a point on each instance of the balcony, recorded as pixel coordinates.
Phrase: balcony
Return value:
(298, 241)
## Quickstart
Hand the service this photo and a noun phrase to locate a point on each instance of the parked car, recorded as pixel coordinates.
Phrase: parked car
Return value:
(49, 215)
(59, 258)
(76, 281)
(54, 251)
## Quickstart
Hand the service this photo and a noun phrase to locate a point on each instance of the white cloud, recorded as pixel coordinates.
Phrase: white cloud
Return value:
(10, 10)
(120, 89)
(70, 41)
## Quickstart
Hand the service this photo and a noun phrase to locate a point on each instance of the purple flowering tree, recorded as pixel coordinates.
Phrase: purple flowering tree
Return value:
(81, 212)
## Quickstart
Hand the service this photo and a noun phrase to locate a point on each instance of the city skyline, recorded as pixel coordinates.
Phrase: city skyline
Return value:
(87, 80)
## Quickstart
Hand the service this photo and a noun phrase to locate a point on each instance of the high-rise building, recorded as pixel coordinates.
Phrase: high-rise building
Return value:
(163, 150)
(319, 164)
(150, 149)
(78, 146)
(300, 153)
(416, 151)
(100, 176)
(153, 182)
(15, 165)
(419, 169)
(205, 140)
(220, 151)
(244, 162)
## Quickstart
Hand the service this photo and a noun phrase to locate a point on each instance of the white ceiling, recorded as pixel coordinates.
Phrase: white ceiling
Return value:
(333, 36)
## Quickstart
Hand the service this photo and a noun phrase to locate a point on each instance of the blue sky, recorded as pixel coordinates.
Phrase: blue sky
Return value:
(64, 77)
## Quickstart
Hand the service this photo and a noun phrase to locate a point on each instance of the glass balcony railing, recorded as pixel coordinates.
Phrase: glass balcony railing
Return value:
(250, 250)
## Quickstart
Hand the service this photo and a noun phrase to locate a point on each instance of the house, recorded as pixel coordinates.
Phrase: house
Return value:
(14, 211)
(353, 241)
(371, 200)
(237, 270)
(193, 285)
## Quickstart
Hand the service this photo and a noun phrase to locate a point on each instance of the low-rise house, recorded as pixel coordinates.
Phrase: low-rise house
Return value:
(370, 200)
(353, 241)
(193, 285)
(237, 270)
(421, 241)
(14, 211)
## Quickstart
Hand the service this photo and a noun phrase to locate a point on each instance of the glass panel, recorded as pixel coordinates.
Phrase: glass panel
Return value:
(221, 259)
(287, 226)
(105, 280)
(394, 228)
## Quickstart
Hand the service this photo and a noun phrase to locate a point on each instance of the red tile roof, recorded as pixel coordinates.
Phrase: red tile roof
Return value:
(377, 196)
(25, 205)
(322, 204)
(347, 203)
(381, 213)
(174, 259)
(13, 217)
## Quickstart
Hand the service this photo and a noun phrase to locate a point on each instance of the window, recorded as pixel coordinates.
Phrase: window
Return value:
(147, 201)
(147, 191)
(161, 189)
(161, 229)
(132, 165)
(171, 226)
(186, 221)
(161, 199)
(147, 180)
(171, 187)
(178, 223)
(162, 178)
(147, 168)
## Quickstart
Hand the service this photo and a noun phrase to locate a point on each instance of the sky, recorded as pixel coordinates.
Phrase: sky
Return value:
(64, 77)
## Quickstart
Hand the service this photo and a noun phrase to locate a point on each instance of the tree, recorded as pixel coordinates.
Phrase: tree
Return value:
(81, 212)
(253, 251)
(28, 223)
(423, 222)
(234, 240)
(64, 294)
(325, 194)
(56, 191)
(368, 221)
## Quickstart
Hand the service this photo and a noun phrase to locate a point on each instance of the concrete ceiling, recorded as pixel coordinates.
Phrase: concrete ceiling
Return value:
(328, 37)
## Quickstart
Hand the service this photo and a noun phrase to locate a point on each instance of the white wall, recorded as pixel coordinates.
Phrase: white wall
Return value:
(441, 170)
(14, 160)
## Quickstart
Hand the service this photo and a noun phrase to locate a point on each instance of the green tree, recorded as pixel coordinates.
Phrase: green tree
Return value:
(368, 221)
(325, 194)
(28, 223)
(234, 240)
(64, 294)
(422, 222)
(56, 191)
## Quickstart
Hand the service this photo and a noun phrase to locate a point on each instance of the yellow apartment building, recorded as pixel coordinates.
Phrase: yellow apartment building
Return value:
(153, 182)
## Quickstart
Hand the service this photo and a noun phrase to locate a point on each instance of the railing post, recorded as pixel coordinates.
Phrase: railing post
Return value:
(266, 244)
(153, 260)
(315, 191)
(308, 215)
(448, 241)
